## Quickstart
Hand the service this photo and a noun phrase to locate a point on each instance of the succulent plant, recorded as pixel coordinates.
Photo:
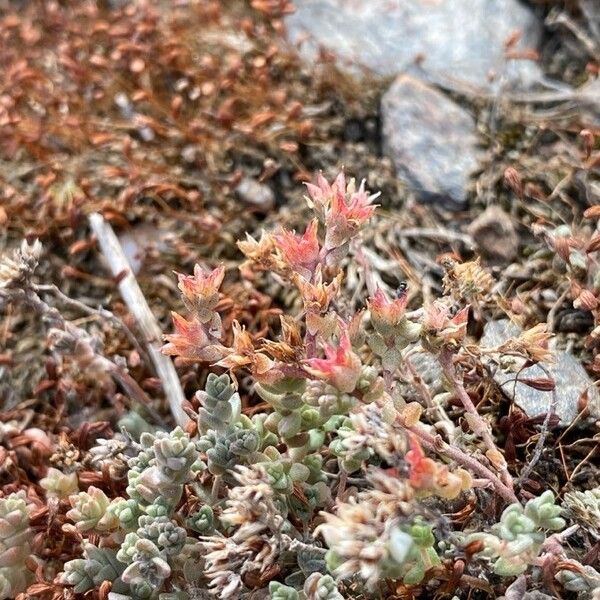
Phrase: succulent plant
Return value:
(148, 568)
(127, 512)
(202, 520)
(516, 540)
(165, 533)
(582, 579)
(141, 564)
(227, 449)
(97, 566)
(351, 450)
(90, 511)
(15, 537)
(327, 399)
(230, 503)
(220, 404)
(165, 465)
(58, 484)
(278, 591)
(321, 587)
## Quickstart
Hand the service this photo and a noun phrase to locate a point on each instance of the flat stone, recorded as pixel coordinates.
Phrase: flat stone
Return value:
(458, 39)
(256, 194)
(431, 141)
(494, 233)
(572, 380)
(428, 368)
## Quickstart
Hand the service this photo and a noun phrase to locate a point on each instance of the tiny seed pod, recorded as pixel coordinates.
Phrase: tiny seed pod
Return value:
(412, 413)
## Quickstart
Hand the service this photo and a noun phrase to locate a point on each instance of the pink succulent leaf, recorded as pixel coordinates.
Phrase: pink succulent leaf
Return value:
(202, 283)
(300, 251)
(387, 311)
(341, 367)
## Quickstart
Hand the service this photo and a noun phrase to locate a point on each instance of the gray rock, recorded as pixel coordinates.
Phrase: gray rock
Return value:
(428, 368)
(459, 39)
(494, 233)
(256, 194)
(571, 379)
(430, 139)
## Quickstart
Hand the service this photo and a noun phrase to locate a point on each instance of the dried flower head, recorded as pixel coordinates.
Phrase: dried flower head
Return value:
(440, 329)
(260, 252)
(531, 344)
(466, 281)
(242, 354)
(16, 269)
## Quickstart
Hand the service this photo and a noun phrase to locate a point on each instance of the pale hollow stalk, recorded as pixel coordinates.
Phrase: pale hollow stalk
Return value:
(476, 422)
(137, 305)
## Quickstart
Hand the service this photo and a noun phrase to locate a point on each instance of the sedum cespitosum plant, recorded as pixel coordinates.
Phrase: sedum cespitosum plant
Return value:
(15, 539)
(339, 486)
(515, 542)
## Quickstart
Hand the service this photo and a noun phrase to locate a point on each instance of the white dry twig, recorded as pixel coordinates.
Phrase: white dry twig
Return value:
(136, 303)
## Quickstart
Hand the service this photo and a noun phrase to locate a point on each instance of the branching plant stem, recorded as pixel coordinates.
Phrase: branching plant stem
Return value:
(476, 422)
(437, 444)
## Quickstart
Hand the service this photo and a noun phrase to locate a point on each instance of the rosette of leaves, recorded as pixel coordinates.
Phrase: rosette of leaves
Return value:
(90, 511)
(330, 401)
(283, 472)
(316, 587)
(15, 536)
(174, 456)
(257, 423)
(97, 566)
(163, 532)
(351, 450)
(287, 419)
(582, 579)
(515, 542)
(220, 404)
(413, 551)
(127, 512)
(202, 520)
(327, 399)
(321, 587)
(58, 484)
(148, 569)
(279, 591)
(226, 449)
